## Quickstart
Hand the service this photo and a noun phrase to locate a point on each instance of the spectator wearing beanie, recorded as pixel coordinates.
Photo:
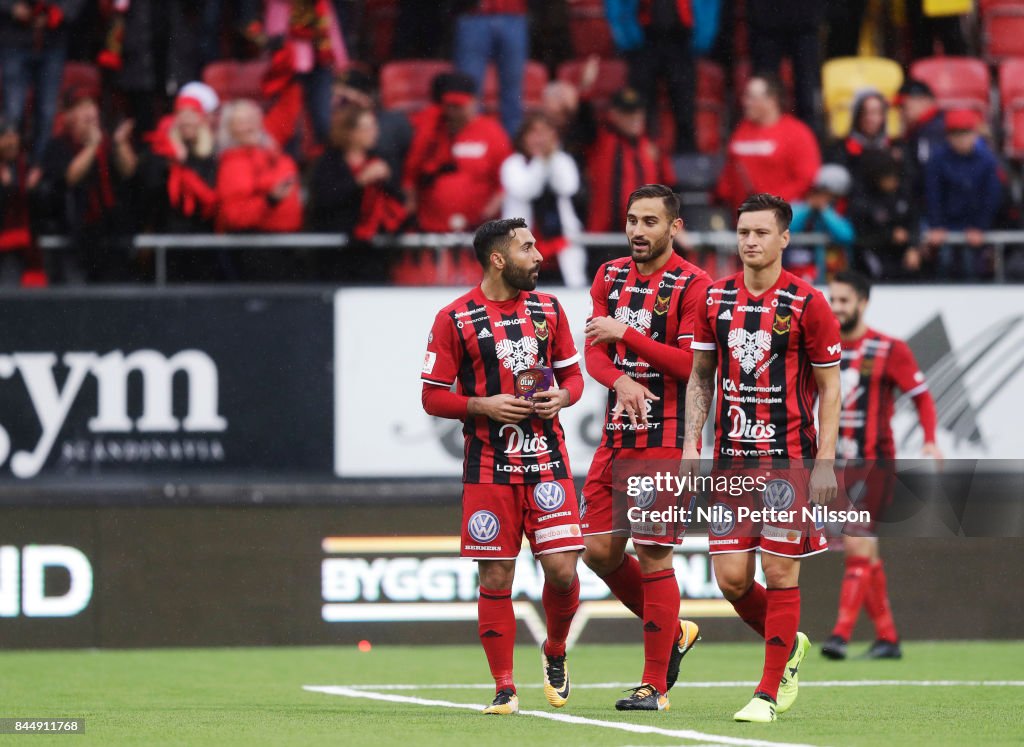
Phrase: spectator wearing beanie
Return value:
(621, 158)
(869, 118)
(924, 131)
(886, 220)
(963, 192)
(452, 172)
(817, 213)
(769, 151)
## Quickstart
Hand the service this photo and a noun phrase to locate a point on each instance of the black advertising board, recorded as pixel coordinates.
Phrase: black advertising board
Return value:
(171, 386)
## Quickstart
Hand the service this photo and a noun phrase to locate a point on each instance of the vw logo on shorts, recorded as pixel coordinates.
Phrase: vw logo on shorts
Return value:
(779, 494)
(483, 526)
(646, 498)
(583, 505)
(722, 520)
(549, 496)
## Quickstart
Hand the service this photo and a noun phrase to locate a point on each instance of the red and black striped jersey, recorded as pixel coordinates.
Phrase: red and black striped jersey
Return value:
(872, 367)
(480, 345)
(767, 346)
(661, 307)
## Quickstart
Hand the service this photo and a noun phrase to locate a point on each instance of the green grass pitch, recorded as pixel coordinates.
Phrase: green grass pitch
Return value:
(256, 697)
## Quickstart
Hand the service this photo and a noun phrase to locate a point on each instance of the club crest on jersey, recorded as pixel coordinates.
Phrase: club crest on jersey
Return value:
(516, 355)
(782, 324)
(640, 319)
(749, 347)
(661, 304)
(549, 496)
(779, 494)
(483, 526)
(540, 328)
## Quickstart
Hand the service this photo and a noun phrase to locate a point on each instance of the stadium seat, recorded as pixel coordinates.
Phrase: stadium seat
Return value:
(535, 78)
(588, 29)
(405, 84)
(612, 76)
(1011, 94)
(1002, 24)
(843, 77)
(81, 75)
(232, 79)
(958, 82)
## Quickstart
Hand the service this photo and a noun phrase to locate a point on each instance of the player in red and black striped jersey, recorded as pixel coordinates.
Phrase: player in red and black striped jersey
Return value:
(508, 350)
(775, 344)
(873, 367)
(638, 338)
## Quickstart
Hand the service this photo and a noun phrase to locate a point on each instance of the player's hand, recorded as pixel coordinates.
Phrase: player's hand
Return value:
(631, 398)
(547, 404)
(823, 485)
(689, 465)
(931, 450)
(502, 408)
(602, 330)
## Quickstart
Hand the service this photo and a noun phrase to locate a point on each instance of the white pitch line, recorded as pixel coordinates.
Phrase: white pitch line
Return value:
(565, 718)
(697, 685)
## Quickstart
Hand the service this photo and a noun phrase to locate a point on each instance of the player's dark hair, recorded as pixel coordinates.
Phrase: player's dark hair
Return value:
(494, 234)
(655, 191)
(860, 283)
(764, 201)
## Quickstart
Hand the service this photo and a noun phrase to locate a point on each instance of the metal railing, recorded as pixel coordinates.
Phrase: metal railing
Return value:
(723, 242)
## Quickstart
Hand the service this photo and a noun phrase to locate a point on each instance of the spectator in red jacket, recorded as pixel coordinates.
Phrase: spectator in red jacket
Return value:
(769, 151)
(257, 184)
(452, 172)
(620, 159)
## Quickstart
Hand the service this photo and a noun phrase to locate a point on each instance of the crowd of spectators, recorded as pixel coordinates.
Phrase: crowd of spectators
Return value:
(153, 149)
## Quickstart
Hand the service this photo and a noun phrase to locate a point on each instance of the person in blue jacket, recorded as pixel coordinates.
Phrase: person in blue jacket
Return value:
(963, 192)
(817, 214)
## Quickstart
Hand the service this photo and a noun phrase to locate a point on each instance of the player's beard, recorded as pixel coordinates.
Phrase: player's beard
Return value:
(520, 278)
(652, 251)
(847, 325)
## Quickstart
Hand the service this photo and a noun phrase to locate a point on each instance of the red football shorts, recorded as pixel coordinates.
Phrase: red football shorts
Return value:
(495, 518)
(611, 506)
(773, 519)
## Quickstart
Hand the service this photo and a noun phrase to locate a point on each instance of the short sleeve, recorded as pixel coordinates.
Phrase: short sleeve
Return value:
(694, 305)
(904, 371)
(598, 296)
(820, 332)
(703, 335)
(563, 351)
(444, 353)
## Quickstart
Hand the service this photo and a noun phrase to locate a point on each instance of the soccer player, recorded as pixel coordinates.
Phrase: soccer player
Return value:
(498, 341)
(638, 338)
(775, 344)
(873, 366)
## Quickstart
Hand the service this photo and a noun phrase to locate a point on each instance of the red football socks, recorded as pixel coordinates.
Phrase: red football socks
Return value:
(559, 607)
(856, 581)
(661, 625)
(625, 584)
(877, 601)
(780, 625)
(497, 627)
(752, 607)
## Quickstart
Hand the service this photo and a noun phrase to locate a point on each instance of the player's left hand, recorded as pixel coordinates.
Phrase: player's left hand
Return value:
(823, 485)
(547, 404)
(603, 330)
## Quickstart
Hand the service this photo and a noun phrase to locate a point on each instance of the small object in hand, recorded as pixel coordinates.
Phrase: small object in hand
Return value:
(529, 381)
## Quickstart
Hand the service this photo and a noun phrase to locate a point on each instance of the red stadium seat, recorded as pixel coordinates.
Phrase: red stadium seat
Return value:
(535, 77)
(612, 76)
(958, 82)
(588, 29)
(81, 75)
(406, 84)
(1002, 29)
(232, 79)
(1011, 94)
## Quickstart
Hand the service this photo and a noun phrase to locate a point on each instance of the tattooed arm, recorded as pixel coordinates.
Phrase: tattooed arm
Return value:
(699, 392)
